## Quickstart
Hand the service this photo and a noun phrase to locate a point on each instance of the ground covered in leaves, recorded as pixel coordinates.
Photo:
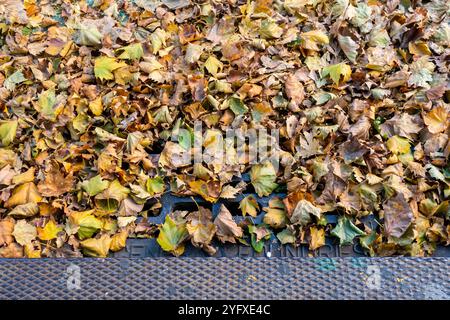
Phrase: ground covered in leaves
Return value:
(92, 94)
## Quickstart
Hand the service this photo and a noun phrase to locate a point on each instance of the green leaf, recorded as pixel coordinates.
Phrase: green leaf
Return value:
(104, 66)
(81, 123)
(47, 101)
(95, 185)
(263, 178)
(172, 235)
(14, 79)
(335, 72)
(8, 130)
(286, 236)
(131, 52)
(258, 236)
(155, 185)
(86, 222)
(346, 231)
(237, 106)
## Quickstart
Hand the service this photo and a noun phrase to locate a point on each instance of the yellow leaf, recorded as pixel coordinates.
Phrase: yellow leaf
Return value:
(311, 39)
(119, 240)
(336, 71)
(104, 66)
(398, 145)
(96, 106)
(32, 252)
(436, 119)
(22, 194)
(213, 65)
(27, 176)
(96, 247)
(249, 205)
(317, 238)
(49, 232)
(8, 131)
(275, 214)
(209, 190)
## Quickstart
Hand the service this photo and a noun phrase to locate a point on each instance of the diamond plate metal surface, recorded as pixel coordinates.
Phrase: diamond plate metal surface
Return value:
(226, 278)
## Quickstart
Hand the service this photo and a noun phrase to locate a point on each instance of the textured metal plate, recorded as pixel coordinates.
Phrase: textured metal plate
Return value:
(226, 278)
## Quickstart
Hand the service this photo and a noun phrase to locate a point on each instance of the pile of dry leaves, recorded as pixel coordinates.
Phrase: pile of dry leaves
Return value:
(93, 92)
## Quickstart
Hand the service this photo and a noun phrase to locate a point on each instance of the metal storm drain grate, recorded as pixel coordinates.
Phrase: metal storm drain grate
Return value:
(142, 248)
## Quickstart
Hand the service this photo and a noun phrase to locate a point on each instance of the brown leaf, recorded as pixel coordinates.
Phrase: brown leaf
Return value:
(398, 216)
(227, 229)
(56, 183)
(6, 230)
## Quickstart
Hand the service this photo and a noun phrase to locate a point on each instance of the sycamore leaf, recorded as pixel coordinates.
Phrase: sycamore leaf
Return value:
(122, 222)
(86, 223)
(24, 232)
(97, 247)
(237, 106)
(270, 29)
(55, 183)
(23, 194)
(49, 232)
(201, 229)
(303, 212)
(286, 236)
(27, 176)
(96, 106)
(104, 66)
(119, 241)
(275, 214)
(13, 80)
(263, 178)
(249, 205)
(317, 239)
(131, 52)
(6, 231)
(346, 231)
(24, 210)
(213, 65)
(398, 145)
(398, 216)
(47, 104)
(336, 71)
(88, 36)
(209, 190)
(311, 39)
(155, 185)
(172, 235)
(349, 47)
(158, 39)
(95, 185)
(8, 131)
(258, 236)
(109, 199)
(436, 120)
(227, 228)
(193, 53)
